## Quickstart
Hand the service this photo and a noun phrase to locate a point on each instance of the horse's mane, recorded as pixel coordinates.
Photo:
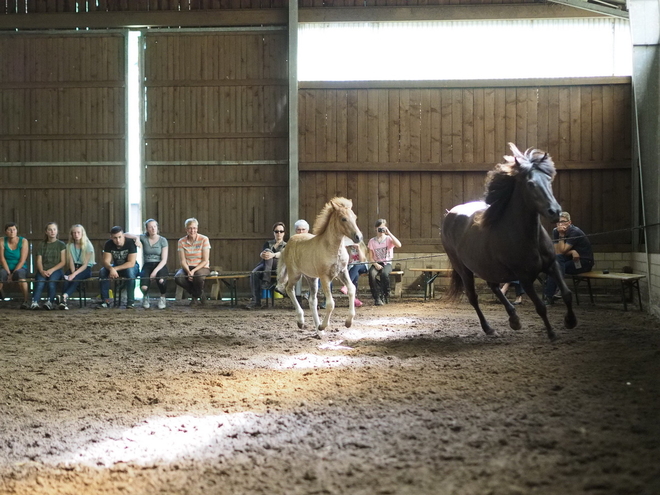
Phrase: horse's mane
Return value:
(322, 219)
(501, 181)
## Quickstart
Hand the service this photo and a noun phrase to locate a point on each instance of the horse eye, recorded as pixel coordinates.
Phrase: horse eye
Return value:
(344, 219)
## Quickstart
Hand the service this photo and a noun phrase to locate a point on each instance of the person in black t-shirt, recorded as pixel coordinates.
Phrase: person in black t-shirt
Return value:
(119, 260)
(573, 252)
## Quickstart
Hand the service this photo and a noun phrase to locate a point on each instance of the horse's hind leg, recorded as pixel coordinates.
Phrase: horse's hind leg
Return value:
(514, 321)
(291, 292)
(329, 303)
(468, 284)
(541, 310)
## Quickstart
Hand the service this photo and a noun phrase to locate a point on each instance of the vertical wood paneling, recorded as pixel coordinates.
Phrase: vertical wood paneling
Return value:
(471, 127)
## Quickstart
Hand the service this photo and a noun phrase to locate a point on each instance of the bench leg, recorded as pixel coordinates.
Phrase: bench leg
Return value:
(215, 290)
(623, 296)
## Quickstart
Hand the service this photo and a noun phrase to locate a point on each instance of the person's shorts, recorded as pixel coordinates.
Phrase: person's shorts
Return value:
(19, 274)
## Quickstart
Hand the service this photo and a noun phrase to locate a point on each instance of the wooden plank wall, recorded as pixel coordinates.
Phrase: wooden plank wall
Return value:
(62, 138)
(408, 154)
(216, 138)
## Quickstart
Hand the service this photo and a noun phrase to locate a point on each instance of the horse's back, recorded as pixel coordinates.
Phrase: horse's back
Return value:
(458, 221)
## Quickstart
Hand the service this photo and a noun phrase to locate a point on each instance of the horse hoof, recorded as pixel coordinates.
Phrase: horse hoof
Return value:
(348, 323)
(489, 331)
(514, 323)
(570, 321)
(301, 325)
(552, 336)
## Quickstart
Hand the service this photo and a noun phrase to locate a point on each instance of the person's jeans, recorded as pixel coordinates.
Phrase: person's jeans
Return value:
(354, 272)
(71, 285)
(195, 287)
(130, 274)
(52, 285)
(145, 281)
(566, 266)
(379, 281)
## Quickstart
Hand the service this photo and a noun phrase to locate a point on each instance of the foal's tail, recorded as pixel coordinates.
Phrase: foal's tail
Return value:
(456, 287)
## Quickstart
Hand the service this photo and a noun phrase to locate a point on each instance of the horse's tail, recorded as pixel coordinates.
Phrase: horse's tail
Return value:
(456, 287)
(282, 275)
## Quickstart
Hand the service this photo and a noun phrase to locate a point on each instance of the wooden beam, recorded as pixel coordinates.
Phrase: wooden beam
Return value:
(446, 13)
(445, 167)
(153, 19)
(471, 83)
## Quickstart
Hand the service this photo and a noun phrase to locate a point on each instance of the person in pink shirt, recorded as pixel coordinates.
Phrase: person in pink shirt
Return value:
(194, 253)
(381, 252)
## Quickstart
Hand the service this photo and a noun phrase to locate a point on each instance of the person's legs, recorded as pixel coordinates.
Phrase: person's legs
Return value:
(551, 283)
(161, 281)
(53, 283)
(130, 274)
(145, 281)
(373, 283)
(71, 285)
(255, 283)
(198, 283)
(20, 276)
(39, 282)
(104, 284)
(385, 280)
(181, 279)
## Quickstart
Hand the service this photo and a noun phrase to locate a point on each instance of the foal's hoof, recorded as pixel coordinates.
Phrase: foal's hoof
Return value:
(301, 325)
(348, 323)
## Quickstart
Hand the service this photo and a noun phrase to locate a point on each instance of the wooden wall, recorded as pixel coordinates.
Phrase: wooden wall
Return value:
(409, 153)
(216, 138)
(62, 137)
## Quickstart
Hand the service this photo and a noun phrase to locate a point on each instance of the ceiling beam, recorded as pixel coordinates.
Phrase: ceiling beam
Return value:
(556, 9)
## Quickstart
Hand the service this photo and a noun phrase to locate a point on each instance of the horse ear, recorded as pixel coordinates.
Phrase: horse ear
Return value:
(516, 152)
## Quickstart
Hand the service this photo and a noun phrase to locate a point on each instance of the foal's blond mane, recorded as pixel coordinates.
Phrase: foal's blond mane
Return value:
(323, 218)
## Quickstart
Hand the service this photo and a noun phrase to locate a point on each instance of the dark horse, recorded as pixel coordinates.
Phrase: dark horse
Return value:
(501, 238)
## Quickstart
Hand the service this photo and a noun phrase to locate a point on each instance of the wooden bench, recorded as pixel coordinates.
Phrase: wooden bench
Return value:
(229, 281)
(430, 274)
(629, 280)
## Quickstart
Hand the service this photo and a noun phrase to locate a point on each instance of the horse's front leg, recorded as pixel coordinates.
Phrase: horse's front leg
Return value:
(570, 320)
(329, 302)
(541, 309)
(514, 320)
(345, 278)
(313, 300)
(291, 292)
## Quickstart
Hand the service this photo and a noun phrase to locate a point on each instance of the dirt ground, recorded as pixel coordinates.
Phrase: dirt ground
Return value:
(413, 399)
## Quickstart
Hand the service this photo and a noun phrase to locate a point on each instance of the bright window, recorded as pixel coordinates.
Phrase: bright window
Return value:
(442, 50)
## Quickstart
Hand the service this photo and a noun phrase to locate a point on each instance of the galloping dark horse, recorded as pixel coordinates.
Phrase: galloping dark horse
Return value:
(502, 239)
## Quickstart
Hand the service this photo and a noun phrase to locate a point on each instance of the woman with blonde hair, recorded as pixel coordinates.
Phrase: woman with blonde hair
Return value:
(79, 259)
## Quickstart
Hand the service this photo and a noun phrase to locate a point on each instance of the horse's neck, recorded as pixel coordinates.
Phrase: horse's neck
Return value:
(518, 217)
(332, 236)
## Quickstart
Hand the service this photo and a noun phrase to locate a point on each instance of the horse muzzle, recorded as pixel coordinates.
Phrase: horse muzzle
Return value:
(357, 237)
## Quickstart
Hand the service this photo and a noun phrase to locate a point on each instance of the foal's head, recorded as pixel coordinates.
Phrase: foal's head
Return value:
(534, 172)
(338, 211)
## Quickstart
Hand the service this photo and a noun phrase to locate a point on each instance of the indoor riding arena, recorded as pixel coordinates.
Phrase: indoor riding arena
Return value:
(243, 114)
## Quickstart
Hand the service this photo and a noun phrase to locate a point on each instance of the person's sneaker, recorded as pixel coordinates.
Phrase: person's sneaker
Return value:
(145, 303)
(379, 302)
(130, 305)
(358, 303)
(343, 290)
(34, 305)
(161, 303)
(63, 306)
(49, 305)
(253, 305)
(105, 304)
(548, 301)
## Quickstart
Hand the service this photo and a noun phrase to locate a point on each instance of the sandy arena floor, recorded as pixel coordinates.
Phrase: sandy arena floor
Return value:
(413, 399)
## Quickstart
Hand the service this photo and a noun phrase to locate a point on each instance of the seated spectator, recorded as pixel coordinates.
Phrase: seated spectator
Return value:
(381, 250)
(119, 261)
(14, 252)
(51, 258)
(80, 260)
(573, 250)
(260, 278)
(194, 250)
(154, 263)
